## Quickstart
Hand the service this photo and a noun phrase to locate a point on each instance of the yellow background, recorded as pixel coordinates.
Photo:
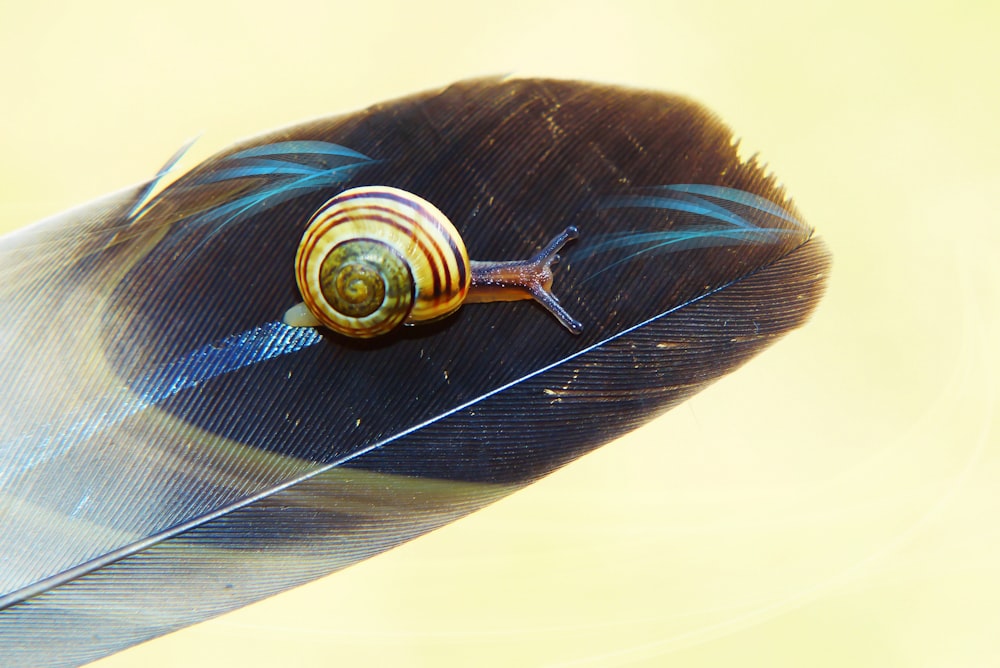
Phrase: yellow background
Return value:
(834, 503)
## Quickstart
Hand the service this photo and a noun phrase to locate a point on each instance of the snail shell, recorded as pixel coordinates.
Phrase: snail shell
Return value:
(375, 257)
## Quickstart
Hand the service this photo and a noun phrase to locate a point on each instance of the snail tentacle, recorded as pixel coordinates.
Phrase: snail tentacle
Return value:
(524, 279)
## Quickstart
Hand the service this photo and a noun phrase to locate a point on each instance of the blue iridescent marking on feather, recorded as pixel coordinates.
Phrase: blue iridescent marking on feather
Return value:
(227, 355)
(717, 224)
(285, 170)
(302, 148)
(232, 353)
(290, 167)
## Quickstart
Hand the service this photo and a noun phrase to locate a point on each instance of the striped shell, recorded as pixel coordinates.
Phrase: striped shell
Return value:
(375, 257)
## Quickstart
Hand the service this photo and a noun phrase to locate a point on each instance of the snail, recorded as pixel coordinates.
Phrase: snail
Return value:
(373, 258)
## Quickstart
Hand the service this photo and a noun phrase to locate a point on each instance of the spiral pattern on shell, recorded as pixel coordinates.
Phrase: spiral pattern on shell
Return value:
(375, 257)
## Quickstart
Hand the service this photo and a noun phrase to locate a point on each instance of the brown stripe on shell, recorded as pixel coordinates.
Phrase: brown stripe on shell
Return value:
(414, 228)
(433, 255)
(409, 220)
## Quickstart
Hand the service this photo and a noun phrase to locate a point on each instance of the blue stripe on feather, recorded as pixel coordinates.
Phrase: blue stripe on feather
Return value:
(282, 170)
(277, 173)
(232, 353)
(254, 170)
(299, 148)
(678, 202)
(715, 224)
(736, 196)
(271, 195)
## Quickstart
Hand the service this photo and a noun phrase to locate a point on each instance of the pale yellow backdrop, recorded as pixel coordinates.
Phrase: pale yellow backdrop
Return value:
(834, 503)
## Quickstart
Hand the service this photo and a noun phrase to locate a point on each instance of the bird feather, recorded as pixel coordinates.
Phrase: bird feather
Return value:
(171, 450)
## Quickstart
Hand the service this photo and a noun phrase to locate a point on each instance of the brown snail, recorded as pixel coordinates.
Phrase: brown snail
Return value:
(375, 257)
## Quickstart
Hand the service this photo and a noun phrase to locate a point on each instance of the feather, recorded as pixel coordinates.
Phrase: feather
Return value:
(171, 450)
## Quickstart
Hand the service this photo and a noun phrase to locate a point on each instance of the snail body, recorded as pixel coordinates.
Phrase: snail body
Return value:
(375, 257)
